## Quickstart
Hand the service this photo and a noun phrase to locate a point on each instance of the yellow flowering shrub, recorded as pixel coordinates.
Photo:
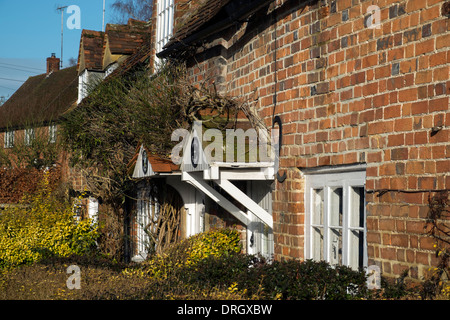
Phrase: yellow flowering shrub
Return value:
(42, 226)
(189, 252)
(446, 290)
(214, 243)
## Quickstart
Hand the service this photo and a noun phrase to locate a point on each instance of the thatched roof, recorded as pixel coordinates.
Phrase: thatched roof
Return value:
(41, 99)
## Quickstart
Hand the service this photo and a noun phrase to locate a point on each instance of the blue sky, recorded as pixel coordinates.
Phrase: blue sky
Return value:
(31, 30)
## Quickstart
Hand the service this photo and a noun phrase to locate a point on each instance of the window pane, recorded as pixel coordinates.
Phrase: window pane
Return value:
(357, 207)
(317, 245)
(336, 222)
(29, 136)
(9, 139)
(336, 207)
(356, 253)
(335, 246)
(317, 207)
(52, 133)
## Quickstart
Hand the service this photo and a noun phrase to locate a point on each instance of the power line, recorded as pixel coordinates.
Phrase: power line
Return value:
(8, 88)
(12, 79)
(12, 68)
(21, 66)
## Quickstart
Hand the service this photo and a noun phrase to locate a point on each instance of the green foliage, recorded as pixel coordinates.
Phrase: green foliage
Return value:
(396, 288)
(308, 280)
(212, 262)
(4, 158)
(40, 227)
(437, 282)
(119, 115)
(215, 243)
(122, 112)
(189, 254)
(219, 271)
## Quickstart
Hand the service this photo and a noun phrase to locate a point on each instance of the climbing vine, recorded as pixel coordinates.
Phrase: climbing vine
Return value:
(124, 112)
(439, 229)
(103, 133)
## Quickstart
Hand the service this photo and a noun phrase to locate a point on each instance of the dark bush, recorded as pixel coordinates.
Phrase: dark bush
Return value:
(308, 280)
(217, 271)
(290, 279)
(395, 288)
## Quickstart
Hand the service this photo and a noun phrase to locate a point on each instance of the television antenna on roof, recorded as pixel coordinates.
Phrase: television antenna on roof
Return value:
(61, 9)
(103, 22)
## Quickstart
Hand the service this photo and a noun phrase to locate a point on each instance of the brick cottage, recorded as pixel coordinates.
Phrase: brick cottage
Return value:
(362, 91)
(359, 90)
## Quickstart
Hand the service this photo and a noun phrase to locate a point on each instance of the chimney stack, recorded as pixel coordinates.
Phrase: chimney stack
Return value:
(52, 64)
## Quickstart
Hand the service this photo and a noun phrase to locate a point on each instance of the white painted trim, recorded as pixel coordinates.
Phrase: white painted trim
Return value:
(164, 23)
(138, 169)
(93, 209)
(327, 178)
(334, 169)
(192, 204)
(186, 164)
(215, 196)
(246, 201)
(86, 80)
(9, 139)
(243, 175)
(243, 164)
(261, 243)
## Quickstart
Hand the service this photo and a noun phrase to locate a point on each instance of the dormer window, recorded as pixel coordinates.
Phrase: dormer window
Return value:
(87, 81)
(164, 30)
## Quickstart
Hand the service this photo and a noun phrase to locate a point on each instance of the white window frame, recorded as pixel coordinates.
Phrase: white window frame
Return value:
(328, 179)
(164, 23)
(9, 139)
(52, 133)
(29, 136)
(93, 209)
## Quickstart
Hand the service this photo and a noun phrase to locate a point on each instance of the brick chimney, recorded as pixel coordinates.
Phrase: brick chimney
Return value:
(52, 64)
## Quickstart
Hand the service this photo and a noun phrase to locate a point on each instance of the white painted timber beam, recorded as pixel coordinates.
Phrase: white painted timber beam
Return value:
(242, 175)
(246, 201)
(201, 185)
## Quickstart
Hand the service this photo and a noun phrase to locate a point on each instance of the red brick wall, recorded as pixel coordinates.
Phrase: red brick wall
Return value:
(349, 94)
(15, 182)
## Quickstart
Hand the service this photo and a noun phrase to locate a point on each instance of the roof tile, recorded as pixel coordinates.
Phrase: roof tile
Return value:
(91, 47)
(197, 18)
